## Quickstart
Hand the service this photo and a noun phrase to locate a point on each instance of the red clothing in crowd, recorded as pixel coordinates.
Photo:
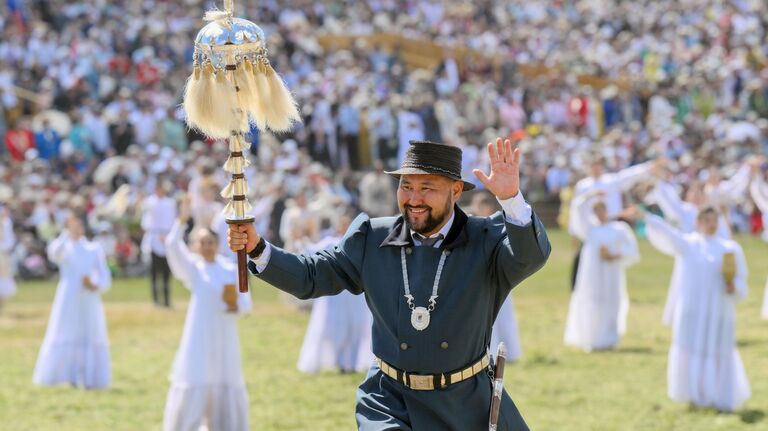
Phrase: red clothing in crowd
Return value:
(17, 142)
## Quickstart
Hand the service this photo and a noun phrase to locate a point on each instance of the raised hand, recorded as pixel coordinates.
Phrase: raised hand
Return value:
(504, 181)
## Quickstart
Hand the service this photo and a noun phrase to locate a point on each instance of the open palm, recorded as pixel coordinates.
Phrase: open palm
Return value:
(504, 181)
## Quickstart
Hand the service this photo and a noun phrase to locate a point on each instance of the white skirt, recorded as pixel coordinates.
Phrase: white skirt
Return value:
(505, 330)
(85, 366)
(206, 407)
(713, 381)
(338, 335)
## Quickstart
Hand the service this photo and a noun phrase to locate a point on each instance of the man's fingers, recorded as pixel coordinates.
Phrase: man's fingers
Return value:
(492, 154)
(516, 156)
(482, 177)
(500, 149)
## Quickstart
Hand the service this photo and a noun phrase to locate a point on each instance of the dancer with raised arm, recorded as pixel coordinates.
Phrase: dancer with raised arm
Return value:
(207, 385)
(704, 366)
(597, 316)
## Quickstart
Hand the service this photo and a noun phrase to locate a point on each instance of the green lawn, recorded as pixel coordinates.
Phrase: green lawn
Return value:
(556, 388)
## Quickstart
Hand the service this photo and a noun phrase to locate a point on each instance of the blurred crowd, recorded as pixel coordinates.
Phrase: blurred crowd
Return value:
(90, 94)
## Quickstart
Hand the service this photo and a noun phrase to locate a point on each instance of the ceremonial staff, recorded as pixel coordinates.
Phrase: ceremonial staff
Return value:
(498, 387)
(231, 87)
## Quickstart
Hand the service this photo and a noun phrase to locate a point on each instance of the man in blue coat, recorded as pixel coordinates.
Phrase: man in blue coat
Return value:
(434, 279)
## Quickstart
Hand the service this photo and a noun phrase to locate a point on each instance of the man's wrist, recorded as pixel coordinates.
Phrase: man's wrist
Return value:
(258, 250)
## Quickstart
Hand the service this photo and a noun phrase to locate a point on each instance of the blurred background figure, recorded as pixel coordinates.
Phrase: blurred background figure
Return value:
(75, 350)
(338, 335)
(159, 212)
(597, 316)
(7, 242)
(207, 384)
(704, 366)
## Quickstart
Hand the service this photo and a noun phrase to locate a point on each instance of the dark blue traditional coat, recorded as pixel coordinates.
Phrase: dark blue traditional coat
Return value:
(488, 257)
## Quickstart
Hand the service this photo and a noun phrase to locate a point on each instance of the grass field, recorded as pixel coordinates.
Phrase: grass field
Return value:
(556, 388)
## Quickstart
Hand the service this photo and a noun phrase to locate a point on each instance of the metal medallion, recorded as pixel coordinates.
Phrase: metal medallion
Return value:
(420, 318)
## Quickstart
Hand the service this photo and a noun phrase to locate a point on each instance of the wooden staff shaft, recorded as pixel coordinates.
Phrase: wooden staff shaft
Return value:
(242, 271)
(242, 257)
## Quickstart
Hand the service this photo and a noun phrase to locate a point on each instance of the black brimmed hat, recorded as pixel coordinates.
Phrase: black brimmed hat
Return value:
(430, 158)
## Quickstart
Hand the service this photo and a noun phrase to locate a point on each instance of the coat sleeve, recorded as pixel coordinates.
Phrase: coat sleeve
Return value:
(324, 273)
(518, 252)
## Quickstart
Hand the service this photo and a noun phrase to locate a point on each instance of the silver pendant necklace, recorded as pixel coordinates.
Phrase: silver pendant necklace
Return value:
(420, 315)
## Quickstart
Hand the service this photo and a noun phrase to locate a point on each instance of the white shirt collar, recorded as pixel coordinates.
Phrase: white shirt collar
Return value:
(443, 230)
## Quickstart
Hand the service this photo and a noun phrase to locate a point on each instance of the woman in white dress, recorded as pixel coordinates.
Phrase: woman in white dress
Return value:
(338, 335)
(76, 349)
(7, 241)
(683, 213)
(704, 367)
(207, 385)
(597, 316)
(759, 191)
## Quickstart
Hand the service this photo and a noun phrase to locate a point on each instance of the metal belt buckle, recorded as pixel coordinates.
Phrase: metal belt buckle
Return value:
(422, 383)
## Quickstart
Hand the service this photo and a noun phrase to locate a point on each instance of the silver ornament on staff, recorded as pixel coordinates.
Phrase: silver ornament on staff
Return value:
(498, 387)
(232, 86)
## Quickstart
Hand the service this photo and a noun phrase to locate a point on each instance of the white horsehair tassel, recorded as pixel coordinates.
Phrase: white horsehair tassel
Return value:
(283, 111)
(228, 191)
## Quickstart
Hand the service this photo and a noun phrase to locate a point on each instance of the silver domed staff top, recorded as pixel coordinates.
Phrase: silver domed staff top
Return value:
(232, 86)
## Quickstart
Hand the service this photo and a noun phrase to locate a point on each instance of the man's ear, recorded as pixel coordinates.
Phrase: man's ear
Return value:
(458, 188)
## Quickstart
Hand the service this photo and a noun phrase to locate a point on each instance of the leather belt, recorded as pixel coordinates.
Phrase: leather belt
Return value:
(430, 382)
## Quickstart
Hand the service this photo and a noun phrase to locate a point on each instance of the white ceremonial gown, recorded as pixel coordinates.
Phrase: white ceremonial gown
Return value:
(704, 367)
(75, 350)
(338, 335)
(505, 330)
(597, 316)
(207, 385)
(7, 241)
(759, 191)
(684, 215)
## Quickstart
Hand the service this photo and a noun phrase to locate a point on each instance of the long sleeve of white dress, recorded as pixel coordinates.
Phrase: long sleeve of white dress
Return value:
(56, 248)
(100, 275)
(740, 280)
(731, 190)
(180, 258)
(628, 251)
(665, 237)
(674, 208)
(581, 216)
(628, 177)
